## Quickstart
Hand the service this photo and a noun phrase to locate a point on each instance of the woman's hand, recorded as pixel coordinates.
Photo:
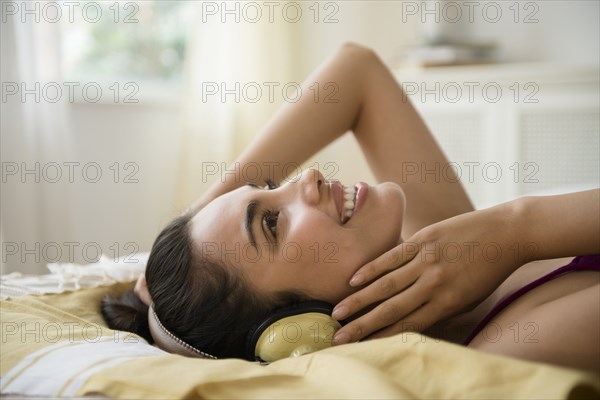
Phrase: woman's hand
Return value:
(442, 270)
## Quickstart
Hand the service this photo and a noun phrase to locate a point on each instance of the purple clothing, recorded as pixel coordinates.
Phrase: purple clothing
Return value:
(580, 263)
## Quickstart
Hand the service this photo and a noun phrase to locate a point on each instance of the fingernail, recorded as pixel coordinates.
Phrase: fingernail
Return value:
(339, 312)
(341, 338)
(356, 280)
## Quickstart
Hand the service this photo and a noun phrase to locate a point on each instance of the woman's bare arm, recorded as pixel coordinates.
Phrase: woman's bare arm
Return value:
(562, 225)
(420, 287)
(368, 101)
(400, 148)
(299, 130)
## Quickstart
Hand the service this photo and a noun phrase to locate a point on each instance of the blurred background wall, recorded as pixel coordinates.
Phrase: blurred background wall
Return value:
(109, 124)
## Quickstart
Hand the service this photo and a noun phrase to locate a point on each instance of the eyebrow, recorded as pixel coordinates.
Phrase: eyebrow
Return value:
(250, 215)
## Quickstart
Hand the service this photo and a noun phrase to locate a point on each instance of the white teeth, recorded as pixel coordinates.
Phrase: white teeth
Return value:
(349, 203)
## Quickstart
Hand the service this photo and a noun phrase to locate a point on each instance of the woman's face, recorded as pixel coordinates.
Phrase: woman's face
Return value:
(294, 237)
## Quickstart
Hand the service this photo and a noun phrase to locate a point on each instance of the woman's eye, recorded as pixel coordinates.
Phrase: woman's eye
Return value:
(270, 217)
(270, 221)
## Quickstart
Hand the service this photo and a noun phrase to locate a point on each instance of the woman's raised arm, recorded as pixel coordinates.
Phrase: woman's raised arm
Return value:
(329, 107)
(357, 92)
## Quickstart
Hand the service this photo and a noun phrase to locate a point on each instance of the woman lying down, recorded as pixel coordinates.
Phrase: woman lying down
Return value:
(407, 254)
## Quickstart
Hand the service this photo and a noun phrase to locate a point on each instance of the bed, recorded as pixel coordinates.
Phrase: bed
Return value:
(55, 344)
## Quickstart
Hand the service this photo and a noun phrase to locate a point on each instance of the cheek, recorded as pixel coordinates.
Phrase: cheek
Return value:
(313, 235)
(316, 231)
(329, 256)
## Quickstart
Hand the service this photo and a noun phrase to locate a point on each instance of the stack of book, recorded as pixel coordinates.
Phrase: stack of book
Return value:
(437, 54)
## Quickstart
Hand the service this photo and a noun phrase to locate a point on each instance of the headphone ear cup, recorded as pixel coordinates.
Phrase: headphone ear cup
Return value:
(291, 331)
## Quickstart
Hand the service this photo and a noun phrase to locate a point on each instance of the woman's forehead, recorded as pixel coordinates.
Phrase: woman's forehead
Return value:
(222, 218)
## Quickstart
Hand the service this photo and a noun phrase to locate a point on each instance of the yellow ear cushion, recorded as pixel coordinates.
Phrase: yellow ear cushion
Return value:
(296, 335)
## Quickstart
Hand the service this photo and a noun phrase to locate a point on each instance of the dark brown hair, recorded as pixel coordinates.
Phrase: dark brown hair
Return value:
(208, 304)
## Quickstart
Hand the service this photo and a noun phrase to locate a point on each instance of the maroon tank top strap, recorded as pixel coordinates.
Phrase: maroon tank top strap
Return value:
(579, 263)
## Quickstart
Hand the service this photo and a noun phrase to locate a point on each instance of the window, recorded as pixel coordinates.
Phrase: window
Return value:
(141, 41)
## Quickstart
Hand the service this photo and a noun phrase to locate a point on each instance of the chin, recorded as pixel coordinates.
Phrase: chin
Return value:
(393, 199)
(384, 222)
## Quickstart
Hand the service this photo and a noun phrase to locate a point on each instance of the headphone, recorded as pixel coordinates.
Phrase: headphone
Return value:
(290, 331)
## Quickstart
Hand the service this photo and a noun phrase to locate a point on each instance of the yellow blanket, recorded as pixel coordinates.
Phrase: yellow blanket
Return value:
(58, 345)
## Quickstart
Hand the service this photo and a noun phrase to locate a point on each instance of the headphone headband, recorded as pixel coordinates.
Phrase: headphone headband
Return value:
(167, 341)
(265, 341)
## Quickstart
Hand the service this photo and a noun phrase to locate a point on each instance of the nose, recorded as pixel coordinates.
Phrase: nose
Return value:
(310, 185)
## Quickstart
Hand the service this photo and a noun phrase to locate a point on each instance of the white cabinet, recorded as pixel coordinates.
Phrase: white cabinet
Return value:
(513, 129)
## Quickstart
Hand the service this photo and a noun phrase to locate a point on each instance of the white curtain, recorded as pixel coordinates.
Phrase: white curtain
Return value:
(221, 56)
(35, 140)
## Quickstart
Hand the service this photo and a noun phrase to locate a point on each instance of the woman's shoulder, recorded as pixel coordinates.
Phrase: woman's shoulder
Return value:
(455, 329)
